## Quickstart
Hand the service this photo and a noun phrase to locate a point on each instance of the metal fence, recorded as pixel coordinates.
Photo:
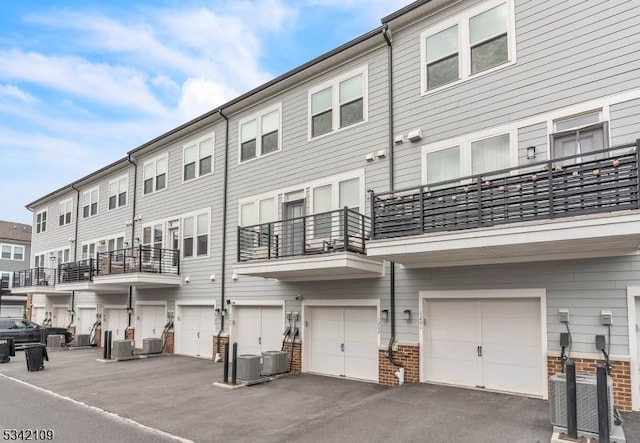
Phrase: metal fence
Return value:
(34, 277)
(341, 230)
(139, 259)
(596, 182)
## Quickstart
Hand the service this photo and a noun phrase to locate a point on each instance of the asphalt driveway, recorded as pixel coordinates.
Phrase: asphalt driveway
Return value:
(176, 395)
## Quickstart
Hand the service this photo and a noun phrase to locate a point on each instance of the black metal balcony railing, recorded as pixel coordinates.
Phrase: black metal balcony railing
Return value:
(77, 271)
(341, 230)
(139, 259)
(34, 277)
(604, 181)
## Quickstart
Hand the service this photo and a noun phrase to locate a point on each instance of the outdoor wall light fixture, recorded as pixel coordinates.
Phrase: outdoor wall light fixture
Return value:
(407, 314)
(234, 277)
(212, 277)
(531, 152)
(384, 314)
(187, 279)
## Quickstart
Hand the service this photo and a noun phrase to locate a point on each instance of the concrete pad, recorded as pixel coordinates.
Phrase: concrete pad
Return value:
(224, 385)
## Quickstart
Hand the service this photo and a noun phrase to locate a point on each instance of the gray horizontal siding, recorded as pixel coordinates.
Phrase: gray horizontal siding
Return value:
(55, 237)
(625, 122)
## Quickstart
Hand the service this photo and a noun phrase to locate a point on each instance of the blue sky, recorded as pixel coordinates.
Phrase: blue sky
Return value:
(83, 82)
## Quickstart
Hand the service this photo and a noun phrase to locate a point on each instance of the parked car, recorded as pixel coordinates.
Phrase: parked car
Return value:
(25, 331)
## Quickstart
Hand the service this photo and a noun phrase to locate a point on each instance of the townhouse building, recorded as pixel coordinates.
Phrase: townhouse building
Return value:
(15, 248)
(445, 194)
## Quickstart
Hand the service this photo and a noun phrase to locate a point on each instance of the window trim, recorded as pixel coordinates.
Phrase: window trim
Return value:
(334, 83)
(196, 142)
(464, 47)
(10, 277)
(12, 252)
(257, 116)
(155, 160)
(89, 192)
(117, 182)
(603, 122)
(194, 215)
(38, 229)
(256, 202)
(465, 142)
(63, 203)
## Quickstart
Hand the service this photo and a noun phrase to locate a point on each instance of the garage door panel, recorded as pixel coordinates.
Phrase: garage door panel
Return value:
(461, 351)
(248, 330)
(522, 379)
(511, 309)
(272, 329)
(457, 309)
(452, 372)
(514, 331)
(14, 311)
(512, 355)
(453, 330)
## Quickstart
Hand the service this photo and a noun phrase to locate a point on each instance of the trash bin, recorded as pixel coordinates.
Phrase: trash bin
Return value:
(35, 356)
(7, 349)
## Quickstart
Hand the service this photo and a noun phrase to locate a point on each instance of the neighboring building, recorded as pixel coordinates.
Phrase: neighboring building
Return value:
(15, 249)
(448, 185)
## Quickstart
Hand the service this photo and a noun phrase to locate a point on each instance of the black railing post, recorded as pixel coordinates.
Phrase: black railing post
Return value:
(550, 187)
(239, 245)
(603, 403)
(572, 410)
(234, 365)
(372, 197)
(177, 251)
(345, 228)
(422, 209)
(104, 345)
(637, 173)
(304, 236)
(139, 259)
(161, 255)
(108, 344)
(479, 197)
(363, 220)
(269, 240)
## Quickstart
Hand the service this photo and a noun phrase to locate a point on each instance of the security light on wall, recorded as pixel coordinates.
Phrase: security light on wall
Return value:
(187, 279)
(407, 314)
(72, 239)
(137, 218)
(212, 277)
(531, 152)
(234, 277)
(384, 314)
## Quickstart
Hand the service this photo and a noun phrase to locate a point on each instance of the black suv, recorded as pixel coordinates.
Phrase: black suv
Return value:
(25, 331)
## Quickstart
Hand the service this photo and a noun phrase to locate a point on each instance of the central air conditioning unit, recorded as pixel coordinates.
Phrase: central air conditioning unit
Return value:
(55, 341)
(151, 345)
(586, 401)
(274, 362)
(122, 349)
(82, 340)
(248, 367)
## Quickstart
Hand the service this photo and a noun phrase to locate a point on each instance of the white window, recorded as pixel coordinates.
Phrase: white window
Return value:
(468, 157)
(260, 134)
(90, 203)
(115, 243)
(258, 212)
(11, 252)
(64, 214)
(5, 280)
(580, 134)
(38, 261)
(155, 174)
(88, 250)
(330, 197)
(152, 235)
(197, 158)
(63, 255)
(338, 103)
(475, 42)
(195, 235)
(118, 192)
(41, 221)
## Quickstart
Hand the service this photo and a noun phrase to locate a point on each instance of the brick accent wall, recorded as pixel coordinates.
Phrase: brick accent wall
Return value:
(620, 373)
(130, 334)
(224, 342)
(408, 355)
(169, 342)
(295, 364)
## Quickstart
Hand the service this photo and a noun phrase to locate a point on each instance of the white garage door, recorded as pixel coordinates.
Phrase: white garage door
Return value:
(60, 317)
(260, 329)
(37, 314)
(85, 318)
(116, 321)
(150, 322)
(343, 342)
(11, 311)
(493, 344)
(194, 331)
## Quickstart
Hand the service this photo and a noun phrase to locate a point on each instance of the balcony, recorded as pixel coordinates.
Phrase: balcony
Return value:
(324, 246)
(571, 207)
(41, 280)
(142, 267)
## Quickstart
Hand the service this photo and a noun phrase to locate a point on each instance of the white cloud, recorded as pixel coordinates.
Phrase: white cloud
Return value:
(200, 95)
(13, 92)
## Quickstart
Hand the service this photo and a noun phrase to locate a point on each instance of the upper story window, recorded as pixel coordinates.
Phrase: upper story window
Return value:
(12, 252)
(90, 203)
(88, 250)
(195, 235)
(5, 280)
(198, 158)
(468, 157)
(260, 134)
(118, 192)
(63, 255)
(472, 43)
(64, 214)
(579, 134)
(258, 212)
(41, 221)
(338, 103)
(155, 174)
